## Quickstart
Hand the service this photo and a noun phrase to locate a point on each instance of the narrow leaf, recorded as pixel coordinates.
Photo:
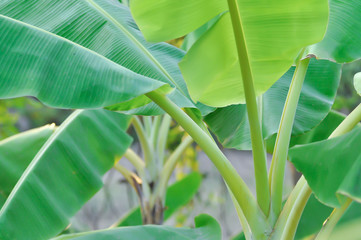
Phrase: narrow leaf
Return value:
(331, 167)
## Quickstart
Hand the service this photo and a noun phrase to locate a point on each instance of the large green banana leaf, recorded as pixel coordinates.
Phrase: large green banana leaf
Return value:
(274, 31)
(331, 167)
(177, 195)
(14, 161)
(65, 173)
(207, 228)
(81, 54)
(230, 124)
(343, 37)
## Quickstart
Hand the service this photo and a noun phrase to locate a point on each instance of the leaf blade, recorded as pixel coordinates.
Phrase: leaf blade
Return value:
(206, 228)
(64, 174)
(104, 27)
(331, 167)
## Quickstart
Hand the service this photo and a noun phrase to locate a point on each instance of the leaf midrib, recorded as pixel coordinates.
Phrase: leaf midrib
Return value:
(38, 156)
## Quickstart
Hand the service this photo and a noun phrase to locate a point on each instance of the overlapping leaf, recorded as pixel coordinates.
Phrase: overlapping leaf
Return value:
(343, 37)
(274, 31)
(65, 173)
(230, 124)
(85, 54)
(207, 228)
(315, 214)
(331, 167)
(13, 160)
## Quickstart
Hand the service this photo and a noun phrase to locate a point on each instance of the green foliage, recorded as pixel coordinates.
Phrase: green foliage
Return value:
(331, 167)
(63, 175)
(14, 162)
(212, 73)
(315, 214)
(177, 195)
(342, 41)
(230, 124)
(19, 114)
(110, 61)
(80, 54)
(206, 228)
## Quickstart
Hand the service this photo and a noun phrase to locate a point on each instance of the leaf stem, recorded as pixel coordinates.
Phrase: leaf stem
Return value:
(142, 136)
(346, 125)
(259, 156)
(197, 120)
(170, 165)
(349, 123)
(148, 123)
(289, 205)
(242, 218)
(131, 177)
(162, 139)
(296, 212)
(238, 187)
(135, 160)
(155, 130)
(332, 220)
(283, 137)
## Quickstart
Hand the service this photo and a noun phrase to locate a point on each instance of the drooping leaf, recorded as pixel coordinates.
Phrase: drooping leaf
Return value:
(230, 124)
(315, 214)
(312, 219)
(343, 37)
(331, 167)
(85, 54)
(357, 83)
(16, 153)
(177, 195)
(65, 173)
(206, 228)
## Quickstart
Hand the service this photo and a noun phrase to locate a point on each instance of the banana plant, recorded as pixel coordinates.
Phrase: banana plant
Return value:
(154, 170)
(272, 58)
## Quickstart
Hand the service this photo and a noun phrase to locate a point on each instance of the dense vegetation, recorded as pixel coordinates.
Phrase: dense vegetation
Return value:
(249, 75)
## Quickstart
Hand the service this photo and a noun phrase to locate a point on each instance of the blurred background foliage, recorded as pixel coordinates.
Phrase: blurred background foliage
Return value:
(20, 114)
(347, 98)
